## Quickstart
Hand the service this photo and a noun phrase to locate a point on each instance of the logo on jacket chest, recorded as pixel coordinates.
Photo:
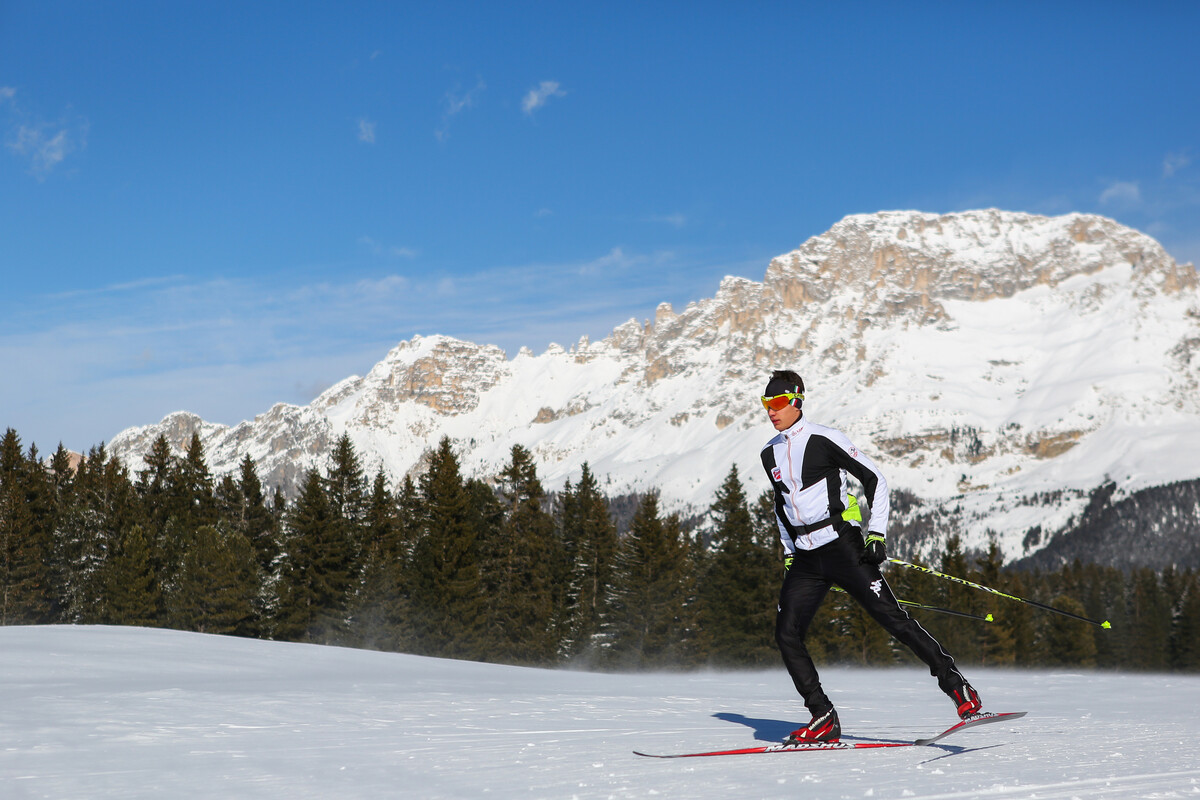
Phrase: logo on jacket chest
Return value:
(777, 474)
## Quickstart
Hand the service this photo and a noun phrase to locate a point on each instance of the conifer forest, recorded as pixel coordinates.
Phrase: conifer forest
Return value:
(497, 568)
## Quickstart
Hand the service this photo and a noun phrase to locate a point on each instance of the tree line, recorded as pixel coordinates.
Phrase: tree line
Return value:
(501, 570)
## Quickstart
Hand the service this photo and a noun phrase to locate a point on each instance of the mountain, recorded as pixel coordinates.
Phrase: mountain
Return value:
(999, 366)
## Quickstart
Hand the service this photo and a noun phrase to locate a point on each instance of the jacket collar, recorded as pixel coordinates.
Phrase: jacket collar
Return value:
(797, 428)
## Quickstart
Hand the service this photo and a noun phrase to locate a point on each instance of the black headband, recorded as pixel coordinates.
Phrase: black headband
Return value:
(779, 386)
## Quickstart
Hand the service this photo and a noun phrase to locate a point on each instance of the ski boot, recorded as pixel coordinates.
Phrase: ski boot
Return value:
(967, 700)
(823, 728)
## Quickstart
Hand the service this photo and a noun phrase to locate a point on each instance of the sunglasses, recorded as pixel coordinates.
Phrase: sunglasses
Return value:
(778, 402)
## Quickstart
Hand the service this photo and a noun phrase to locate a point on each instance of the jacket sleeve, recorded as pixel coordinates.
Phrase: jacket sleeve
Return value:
(864, 470)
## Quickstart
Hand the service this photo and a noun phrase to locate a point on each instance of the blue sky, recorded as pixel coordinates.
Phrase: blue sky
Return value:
(217, 206)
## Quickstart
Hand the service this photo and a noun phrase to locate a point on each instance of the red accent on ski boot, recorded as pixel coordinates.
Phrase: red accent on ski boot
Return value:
(967, 700)
(823, 728)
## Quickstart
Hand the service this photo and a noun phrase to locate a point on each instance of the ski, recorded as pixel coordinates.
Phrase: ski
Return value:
(782, 748)
(970, 722)
(978, 719)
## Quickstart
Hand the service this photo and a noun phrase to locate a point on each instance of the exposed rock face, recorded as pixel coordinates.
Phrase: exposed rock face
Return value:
(982, 357)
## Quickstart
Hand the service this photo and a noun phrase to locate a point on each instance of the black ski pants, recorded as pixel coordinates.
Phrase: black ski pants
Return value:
(805, 586)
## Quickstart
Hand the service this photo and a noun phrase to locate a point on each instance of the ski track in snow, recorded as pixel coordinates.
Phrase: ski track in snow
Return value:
(97, 712)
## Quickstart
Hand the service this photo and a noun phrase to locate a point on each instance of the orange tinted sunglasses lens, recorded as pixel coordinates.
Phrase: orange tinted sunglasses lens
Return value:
(778, 402)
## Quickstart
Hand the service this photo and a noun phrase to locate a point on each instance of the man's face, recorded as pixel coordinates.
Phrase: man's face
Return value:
(784, 418)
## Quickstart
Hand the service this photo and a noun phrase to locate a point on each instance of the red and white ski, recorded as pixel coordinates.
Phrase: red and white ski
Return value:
(970, 722)
(977, 719)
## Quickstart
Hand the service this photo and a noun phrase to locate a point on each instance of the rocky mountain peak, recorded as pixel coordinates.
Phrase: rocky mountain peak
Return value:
(984, 357)
(445, 374)
(905, 264)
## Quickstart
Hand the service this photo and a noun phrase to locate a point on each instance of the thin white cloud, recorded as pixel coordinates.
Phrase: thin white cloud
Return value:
(536, 98)
(389, 284)
(454, 103)
(387, 251)
(366, 131)
(1173, 162)
(369, 295)
(230, 348)
(46, 146)
(614, 259)
(42, 144)
(1121, 193)
(676, 220)
(154, 282)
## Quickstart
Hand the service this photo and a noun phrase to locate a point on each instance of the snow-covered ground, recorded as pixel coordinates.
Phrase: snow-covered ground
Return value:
(95, 712)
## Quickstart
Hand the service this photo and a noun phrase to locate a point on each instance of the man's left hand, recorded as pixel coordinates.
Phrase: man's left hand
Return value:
(875, 552)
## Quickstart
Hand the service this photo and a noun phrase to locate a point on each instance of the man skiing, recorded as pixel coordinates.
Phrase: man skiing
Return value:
(807, 465)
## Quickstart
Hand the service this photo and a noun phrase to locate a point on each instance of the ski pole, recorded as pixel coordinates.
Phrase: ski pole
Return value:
(1106, 625)
(924, 607)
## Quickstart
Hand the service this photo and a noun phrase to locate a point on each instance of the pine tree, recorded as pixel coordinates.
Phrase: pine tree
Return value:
(1106, 599)
(158, 487)
(11, 459)
(26, 536)
(131, 593)
(254, 518)
(1186, 633)
(178, 499)
(315, 574)
(91, 519)
(228, 501)
(1018, 618)
(740, 584)
(62, 488)
(522, 580)
(860, 639)
(956, 638)
(590, 545)
(1150, 620)
(195, 486)
(381, 607)
(1174, 585)
(766, 526)
(381, 521)
(996, 640)
(324, 543)
(62, 473)
(1069, 642)
(410, 513)
(448, 604)
(346, 487)
(217, 584)
(653, 613)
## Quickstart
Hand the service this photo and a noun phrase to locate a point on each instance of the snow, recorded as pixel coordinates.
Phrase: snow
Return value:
(102, 712)
(1069, 345)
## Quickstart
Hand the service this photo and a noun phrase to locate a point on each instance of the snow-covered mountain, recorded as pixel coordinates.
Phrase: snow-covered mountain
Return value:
(987, 359)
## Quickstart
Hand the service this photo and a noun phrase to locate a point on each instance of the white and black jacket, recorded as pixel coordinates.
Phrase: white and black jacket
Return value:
(807, 466)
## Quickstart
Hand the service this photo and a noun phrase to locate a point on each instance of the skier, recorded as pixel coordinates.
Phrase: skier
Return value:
(823, 545)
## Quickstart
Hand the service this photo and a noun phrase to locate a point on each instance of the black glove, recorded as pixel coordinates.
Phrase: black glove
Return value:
(874, 553)
(787, 562)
